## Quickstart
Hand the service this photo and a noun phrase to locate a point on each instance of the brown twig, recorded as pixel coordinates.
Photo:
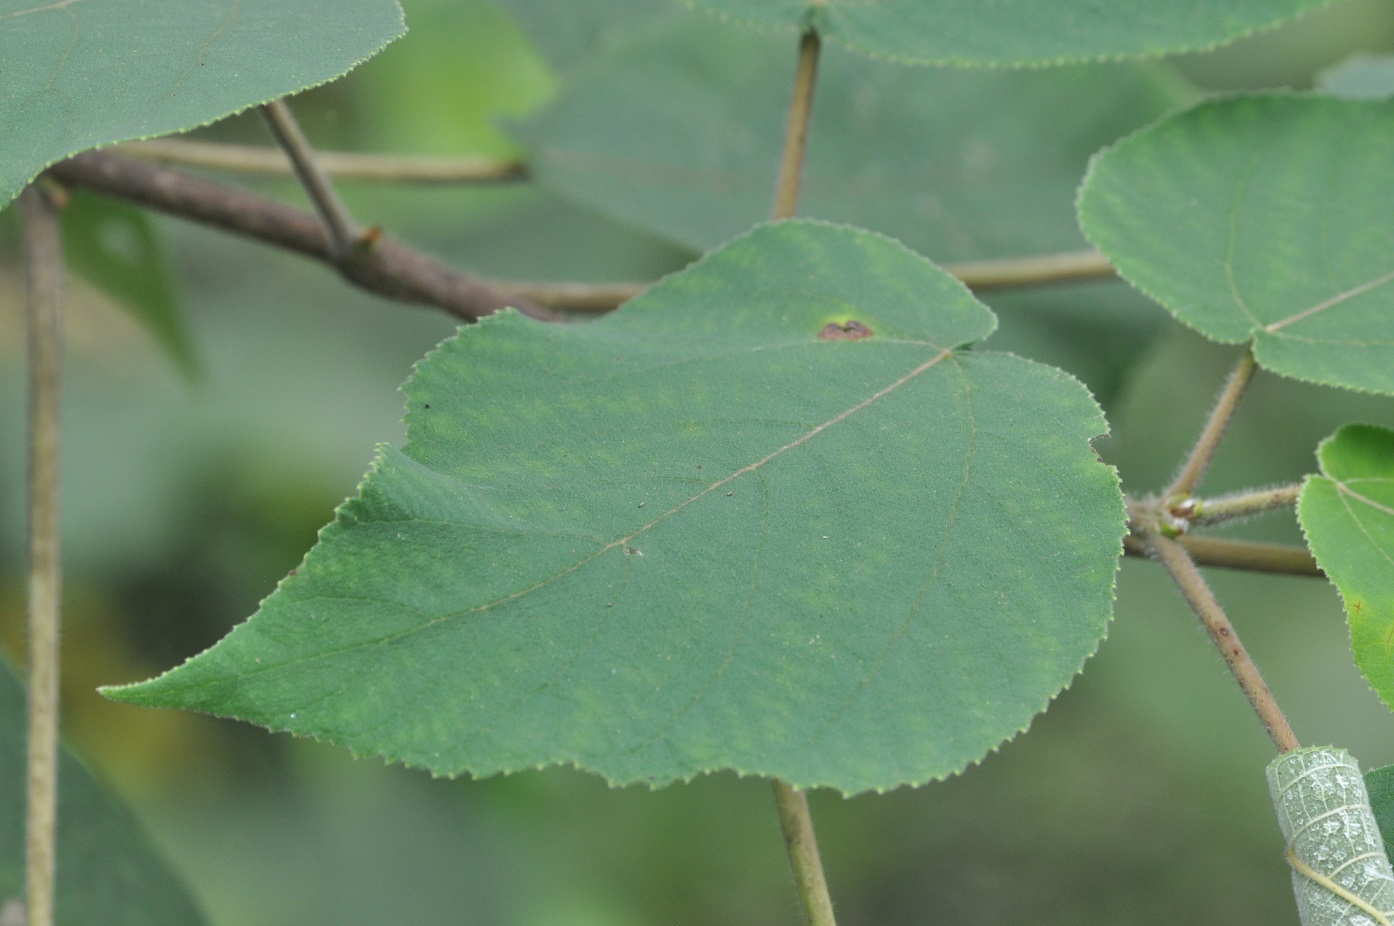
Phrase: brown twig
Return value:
(980, 275)
(342, 165)
(1198, 595)
(44, 262)
(1238, 554)
(344, 233)
(1215, 427)
(387, 268)
(786, 198)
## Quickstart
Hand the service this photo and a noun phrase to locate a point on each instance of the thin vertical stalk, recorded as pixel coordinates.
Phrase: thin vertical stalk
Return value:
(1220, 417)
(344, 233)
(802, 844)
(1202, 600)
(786, 198)
(792, 804)
(44, 266)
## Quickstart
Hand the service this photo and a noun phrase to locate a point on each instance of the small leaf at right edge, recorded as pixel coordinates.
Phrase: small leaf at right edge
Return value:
(113, 246)
(1264, 219)
(1380, 783)
(109, 872)
(1347, 513)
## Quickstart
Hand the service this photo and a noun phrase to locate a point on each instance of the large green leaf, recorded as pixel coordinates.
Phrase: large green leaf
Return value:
(678, 129)
(1348, 515)
(1262, 218)
(83, 73)
(767, 517)
(108, 871)
(1016, 32)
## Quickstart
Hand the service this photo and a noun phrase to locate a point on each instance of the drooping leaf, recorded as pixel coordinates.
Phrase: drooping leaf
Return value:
(1017, 32)
(567, 32)
(678, 129)
(108, 871)
(112, 245)
(82, 73)
(768, 517)
(1380, 783)
(1262, 218)
(1340, 873)
(1361, 76)
(1347, 513)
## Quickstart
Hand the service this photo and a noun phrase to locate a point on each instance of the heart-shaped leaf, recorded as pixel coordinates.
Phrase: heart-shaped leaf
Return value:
(677, 128)
(1262, 218)
(770, 516)
(1016, 32)
(1347, 514)
(77, 75)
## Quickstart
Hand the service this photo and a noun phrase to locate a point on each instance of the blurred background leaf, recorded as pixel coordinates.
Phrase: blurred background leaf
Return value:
(111, 873)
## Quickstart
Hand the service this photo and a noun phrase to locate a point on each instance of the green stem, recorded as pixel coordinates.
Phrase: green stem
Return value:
(343, 165)
(1239, 554)
(786, 199)
(802, 844)
(1220, 417)
(344, 233)
(44, 266)
(1013, 272)
(1202, 601)
(1243, 504)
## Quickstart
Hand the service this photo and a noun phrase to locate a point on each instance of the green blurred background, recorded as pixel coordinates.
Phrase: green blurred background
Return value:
(1137, 799)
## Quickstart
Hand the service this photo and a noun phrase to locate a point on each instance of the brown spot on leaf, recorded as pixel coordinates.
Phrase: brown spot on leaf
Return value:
(850, 330)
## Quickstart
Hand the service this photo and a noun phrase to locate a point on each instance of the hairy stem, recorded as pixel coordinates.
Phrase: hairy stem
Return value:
(1238, 554)
(1244, 504)
(344, 233)
(786, 198)
(802, 844)
(44, 265)
(342, 165)
(387, 269)
(1202, 601)
(1220, 417)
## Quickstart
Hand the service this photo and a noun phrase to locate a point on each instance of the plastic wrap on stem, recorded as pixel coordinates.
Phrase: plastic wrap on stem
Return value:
(1340, 872)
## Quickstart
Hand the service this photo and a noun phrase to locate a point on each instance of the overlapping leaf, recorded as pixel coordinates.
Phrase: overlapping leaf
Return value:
(1017, 32)
(1262, 218)
(108, 871)
(678, 128)
(768, 517)
(1347, 513)
(82, 73)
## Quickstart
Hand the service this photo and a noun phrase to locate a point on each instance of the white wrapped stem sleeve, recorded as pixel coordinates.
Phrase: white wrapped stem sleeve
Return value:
(1340, 872)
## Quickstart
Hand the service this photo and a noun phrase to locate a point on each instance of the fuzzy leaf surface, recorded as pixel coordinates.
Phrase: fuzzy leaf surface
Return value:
(1016, 32)
(1262, 218)
(768, 517)
(677, 128)
(1347, 513)
(83, 73)
(108, 870)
